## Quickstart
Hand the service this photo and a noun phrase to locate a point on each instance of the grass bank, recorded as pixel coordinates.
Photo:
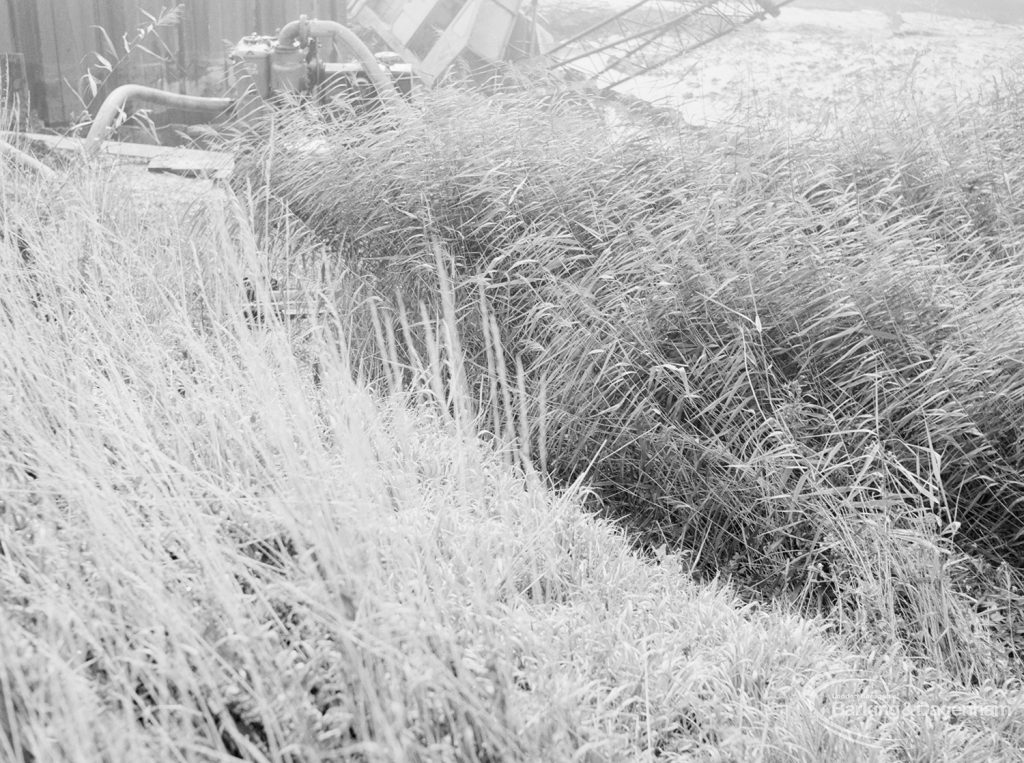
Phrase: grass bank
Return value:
(798, 362)
(363, 537)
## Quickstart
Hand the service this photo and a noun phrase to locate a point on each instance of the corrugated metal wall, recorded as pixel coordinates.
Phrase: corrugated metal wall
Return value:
(59, 40)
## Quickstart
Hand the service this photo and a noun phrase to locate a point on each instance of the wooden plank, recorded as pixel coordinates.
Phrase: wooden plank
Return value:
(13, 89)
(66, 45)
(187, 162)
(27, 42)
(125, 19)
(106, 21)
(206, 26)
(284, 11)
(53, 53)
(76, 26)
(197, 39)
(7, 31)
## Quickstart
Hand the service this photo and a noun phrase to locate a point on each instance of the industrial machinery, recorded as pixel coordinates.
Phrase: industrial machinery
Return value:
(642, 36)
(293, 62)
(649, 34)
(432, 34)
(427, 36)
(266, 69)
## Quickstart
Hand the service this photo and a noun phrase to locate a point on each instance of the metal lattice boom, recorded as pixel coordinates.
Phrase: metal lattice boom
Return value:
(432, 34)
(649, 34)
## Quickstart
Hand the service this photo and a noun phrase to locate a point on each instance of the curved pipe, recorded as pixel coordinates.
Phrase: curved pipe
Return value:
(116, 101)
(294, 30)
(6, 149)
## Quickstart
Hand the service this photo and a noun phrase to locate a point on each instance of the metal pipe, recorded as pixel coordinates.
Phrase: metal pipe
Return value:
(119, 98)
(294, 30)
(6, 149)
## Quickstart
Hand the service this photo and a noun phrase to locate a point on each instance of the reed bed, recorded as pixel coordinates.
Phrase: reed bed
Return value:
(592, 444)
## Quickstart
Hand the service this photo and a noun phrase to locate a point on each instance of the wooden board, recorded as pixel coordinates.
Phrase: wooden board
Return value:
(187, 162)
(192, 163)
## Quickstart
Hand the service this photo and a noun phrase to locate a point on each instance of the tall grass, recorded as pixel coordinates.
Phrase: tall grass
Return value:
(330, 538)
(796, 361)
(210, 552)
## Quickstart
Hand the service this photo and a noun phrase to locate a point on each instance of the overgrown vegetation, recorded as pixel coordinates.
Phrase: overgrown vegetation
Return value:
(798, 363)
(360, 535)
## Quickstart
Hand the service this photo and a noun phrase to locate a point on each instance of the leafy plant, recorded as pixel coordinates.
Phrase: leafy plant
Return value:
(107, 65)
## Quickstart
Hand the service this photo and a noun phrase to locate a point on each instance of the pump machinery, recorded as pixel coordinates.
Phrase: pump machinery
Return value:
(426, 37)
